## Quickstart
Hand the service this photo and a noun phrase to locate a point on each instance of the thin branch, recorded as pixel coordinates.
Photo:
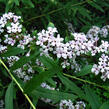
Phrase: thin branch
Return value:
(54, 11)
(85, 81)
(18, 84)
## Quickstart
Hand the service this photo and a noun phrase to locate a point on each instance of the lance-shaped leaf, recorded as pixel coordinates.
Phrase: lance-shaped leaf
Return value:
(23, 60)
(86, 70)
(9, 97)
(95, 5)
(92, 98)
(72, 86)
(13, 51)
(105, 105)
(52, 69)
(53, 94)
(50, 64)
(37, 80)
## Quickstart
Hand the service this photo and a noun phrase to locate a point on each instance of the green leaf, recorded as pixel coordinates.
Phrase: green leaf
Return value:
(51, 81)
(72, 86)
(92, 98)
(16, 2)
(9, 97)
(51, 25)
(66, 39)
(9, 5)
(3, 71)
(41, 77)
(86, 70)
(37, 80)
(35, 100)
(105, 105)
(13, 52)
(34, 33)
(28, 3)
(50, 64)
(106, 94)
(84, 12)
(53, 94)
(96, 6)
(23, 60)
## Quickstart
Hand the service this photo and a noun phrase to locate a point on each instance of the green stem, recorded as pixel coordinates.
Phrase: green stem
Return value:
(51, 12)
(85, 81)
(18, 84)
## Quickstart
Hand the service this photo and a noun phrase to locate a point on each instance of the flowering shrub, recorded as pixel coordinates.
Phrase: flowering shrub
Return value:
(53, 70)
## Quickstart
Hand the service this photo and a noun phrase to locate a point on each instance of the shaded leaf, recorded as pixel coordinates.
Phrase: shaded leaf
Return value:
(84, 12)
(16, 2)
(96, 6)
(23, 60)
(72, 86)
(86, 70)
(52, 68)
(9, 97)
(50, 64)
(105, 105)
(13, 52)
(28, 3)
(37, 80)
(9, 5)
(92, 98)
(51, 25)
(53, 94)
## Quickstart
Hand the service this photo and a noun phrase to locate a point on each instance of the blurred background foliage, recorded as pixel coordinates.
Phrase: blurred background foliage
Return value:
(66, 15)
(77, 15)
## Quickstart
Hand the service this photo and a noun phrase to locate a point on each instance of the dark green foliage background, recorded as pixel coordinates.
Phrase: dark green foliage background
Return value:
(37, 14)
(82, 14)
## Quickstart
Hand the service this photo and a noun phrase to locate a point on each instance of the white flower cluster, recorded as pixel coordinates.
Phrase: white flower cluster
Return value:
(45, 40)
(11, 25)
(51, 42)
(102, 67)
(25, 73)
(96, 31)
(81, 44)
(104, 31)
(46, 86)
(2, 104)
(12, 60)
(104, 47)
(11, 22)
(93, 32)
(2, 48)
(80, 105)
(8, 40)
(21, 40)
(14, 28)
(67, 104)
(25, 41)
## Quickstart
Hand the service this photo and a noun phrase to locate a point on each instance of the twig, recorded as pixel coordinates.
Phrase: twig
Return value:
(54, 11)
(17, 84)
(85, 81)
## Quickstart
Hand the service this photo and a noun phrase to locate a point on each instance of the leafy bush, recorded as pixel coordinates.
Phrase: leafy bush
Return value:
(68, 72)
